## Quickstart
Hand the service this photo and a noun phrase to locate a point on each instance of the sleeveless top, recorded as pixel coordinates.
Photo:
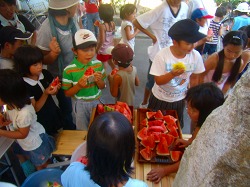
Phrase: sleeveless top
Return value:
(109, 38)
(221, 82)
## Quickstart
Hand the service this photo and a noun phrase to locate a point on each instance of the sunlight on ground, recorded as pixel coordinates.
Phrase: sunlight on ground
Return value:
(145, 3)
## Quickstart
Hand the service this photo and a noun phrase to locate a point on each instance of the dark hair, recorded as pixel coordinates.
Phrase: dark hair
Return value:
(237, 38)
(9, 2)
(246, 29)
(127, 10)
(25, 56)
(106, 12)
(220, 12)
(13, 89)
(54, 12)
(205, 98)
(110, 149)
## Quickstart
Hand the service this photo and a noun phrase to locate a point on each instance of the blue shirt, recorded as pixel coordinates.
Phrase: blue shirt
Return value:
(76, 175)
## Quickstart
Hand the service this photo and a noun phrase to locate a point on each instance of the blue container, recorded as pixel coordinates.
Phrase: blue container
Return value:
(42, 177)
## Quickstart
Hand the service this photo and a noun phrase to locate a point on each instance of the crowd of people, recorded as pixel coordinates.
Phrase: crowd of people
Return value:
(75, 53)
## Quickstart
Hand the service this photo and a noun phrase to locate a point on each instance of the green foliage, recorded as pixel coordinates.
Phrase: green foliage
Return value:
(234, 2)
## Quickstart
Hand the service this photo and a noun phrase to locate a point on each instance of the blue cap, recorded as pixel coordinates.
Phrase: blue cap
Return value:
(200, 13)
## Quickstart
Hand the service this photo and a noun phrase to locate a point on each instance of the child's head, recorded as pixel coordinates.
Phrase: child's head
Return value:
(242, 9)
(12, 38)
(200, 15)
(220, 12)
(123, 55)
(8, 8)
(106, 12)
(13, 89)
(202, 100)
(28, 58)
(110, 149)
(128, 12)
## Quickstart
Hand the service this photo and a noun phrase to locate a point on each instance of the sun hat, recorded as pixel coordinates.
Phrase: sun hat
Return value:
(62, 4)
(200, 13)
(10, 33)
(84, 38)
(186, 30)
(243, 7)
(123, 54)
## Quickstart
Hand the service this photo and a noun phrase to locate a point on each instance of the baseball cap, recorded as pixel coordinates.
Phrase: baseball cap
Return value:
(9, 34)
(62, 4)
(186, 30)
(243, 7)
(200, 13)
(84, 38)
(123, 54)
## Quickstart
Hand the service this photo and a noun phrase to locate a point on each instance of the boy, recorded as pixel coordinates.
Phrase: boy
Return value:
(11, 39)
(200, 16)
(217, 27)
(122, 84)
(171, 84)
(84, 78)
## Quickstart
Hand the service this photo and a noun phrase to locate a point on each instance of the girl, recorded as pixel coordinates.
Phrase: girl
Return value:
(201, 101)
(28, 61)
(32, 141)
(127, 14)
(224, 67)
(109, 163)
(106, 34)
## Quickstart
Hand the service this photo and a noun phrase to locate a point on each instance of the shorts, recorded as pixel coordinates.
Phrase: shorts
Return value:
(150, 78)
(103, 58)
(40, 155)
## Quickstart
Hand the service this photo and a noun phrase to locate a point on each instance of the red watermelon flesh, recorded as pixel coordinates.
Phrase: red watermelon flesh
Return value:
(150, 114)
(156, 129)
(143, 133)
(176, 155)
(89, 71)
(144, 122)
(149, 141)
(162, 147)
(146, 153)
(157, 136)
(170, 138)
(170, 120)
(100, 108)
(157, 122)
(124, 105)
(158, 115)
(173, 131)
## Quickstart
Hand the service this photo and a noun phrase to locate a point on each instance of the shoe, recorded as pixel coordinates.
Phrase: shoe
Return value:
(143, 106)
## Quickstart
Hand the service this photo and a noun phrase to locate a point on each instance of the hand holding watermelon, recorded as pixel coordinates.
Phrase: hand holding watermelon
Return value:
(55, 82)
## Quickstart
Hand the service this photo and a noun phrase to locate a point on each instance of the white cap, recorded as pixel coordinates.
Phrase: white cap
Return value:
(84, 38)
(62, 4)
(243, 7)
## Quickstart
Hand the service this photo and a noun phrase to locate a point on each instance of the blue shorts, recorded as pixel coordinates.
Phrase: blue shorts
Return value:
(151, 79)
(40, 155)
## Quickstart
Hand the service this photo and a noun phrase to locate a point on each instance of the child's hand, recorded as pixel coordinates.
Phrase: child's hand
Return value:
(54, 46)
(98, 76)
(4, 121)
(181, 143)
(51, 90)
(177, 72)
(83, 81)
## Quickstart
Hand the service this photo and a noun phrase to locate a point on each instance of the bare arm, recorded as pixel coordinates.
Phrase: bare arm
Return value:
(130, 36)
(76, 88)
(115, 83)
(20, 133)
(137, 81)
(163, 79)
(101, 38)
(145, 31)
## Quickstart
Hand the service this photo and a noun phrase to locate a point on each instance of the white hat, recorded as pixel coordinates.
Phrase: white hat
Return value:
(62, 4)
(243, 7)
(84, 38)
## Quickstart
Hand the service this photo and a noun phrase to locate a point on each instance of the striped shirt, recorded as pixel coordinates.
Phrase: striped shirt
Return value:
(215, 26)
(72, 74)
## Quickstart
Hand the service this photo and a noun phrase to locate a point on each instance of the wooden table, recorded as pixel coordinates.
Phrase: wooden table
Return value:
(68, 140)
(142, 169)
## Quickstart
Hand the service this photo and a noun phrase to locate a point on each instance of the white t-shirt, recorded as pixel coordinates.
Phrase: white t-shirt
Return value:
(24, 118)
(124, 40)
(173, 90)
(160, 20)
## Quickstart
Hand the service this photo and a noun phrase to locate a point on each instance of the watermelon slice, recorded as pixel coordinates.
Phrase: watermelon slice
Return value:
(156, 129)
(55, 82)
(100, 108)
(173, 131)
(143, 133)
(176, 155)
(170, 138)
(170, 120)
(146, 153)
(157, 136)
(157, 122)
(150, 114)
(144, 122)
(149, 142)
(158, 115)
(162, 147)
(114, 71)
(108, 108)
(90, 71)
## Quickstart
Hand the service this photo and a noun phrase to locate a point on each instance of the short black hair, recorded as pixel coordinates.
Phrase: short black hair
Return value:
(246, 29)
(110, 149)
(205, 98)
(13, 89)
(25, 56)
(127, 10)
(106, 12)
(220, 12)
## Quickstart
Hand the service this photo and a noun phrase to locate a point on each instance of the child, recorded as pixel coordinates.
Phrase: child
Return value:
(28, 61)
(223, 67)
(242, 18)
(201, 101)
(32, 141)
(200, 16)
(122, 84)
(127, 14)
(106, 34)
(84, 78)
(11, 38)
(217, 28)
(171, 84)
(109, 163)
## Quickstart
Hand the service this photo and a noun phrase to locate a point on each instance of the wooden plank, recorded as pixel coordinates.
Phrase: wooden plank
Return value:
(147, 168)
